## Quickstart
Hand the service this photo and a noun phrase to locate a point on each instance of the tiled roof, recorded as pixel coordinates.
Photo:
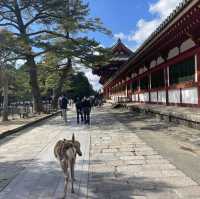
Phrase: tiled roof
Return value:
(158, 30)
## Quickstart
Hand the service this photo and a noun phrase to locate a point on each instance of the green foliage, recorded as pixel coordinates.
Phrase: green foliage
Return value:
(79, 86)
(21, 88)
(75, 84)
(53, 31)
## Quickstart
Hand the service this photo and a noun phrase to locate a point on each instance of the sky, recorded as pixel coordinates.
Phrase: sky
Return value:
(130, 20)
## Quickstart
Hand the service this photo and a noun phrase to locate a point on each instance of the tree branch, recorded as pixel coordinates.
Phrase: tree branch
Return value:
(7, 19)
(5, 4)
(42, 52)
(9, 24)
(35, 18)
(48, 32)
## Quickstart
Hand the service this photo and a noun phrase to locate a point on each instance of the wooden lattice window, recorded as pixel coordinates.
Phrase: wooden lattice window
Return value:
(144, 83)
(134, 86)
(182, 72)
(157, 79)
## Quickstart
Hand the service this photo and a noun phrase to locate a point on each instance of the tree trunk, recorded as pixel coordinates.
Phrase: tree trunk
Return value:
(58, 90)
(37, 105)
(5, 97)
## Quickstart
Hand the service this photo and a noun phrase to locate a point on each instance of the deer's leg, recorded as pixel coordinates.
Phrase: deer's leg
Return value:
(64, 166)
(65, 188)
(72, 176)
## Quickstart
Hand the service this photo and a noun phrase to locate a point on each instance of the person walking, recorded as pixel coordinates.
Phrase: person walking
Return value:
(86, 105)
(63, 107)
(79, 111)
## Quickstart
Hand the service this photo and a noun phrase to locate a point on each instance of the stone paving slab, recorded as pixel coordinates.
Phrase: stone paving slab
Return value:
(187, 116)
(13, 126)
(38, 174)
(116, 164)
(176, 142)
(17, 122)
(124, 166)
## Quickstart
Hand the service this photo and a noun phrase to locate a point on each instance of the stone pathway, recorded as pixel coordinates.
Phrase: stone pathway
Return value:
(124, 166)
(188, 113)
(18, 122)
(116, 164)
(28, 169)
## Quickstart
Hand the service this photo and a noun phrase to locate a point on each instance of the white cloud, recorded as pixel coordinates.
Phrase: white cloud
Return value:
(93, 79)
(160, 10)
(144, 29)
(164, 7)
(134, 47)
(120, 36)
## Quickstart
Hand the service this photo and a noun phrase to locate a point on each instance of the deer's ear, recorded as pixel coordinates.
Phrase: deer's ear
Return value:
(73, 138)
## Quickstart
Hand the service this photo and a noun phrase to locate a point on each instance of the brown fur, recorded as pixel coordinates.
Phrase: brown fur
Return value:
(65, 151)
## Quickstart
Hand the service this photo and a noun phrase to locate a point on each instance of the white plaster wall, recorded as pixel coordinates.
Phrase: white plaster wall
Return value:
(162, 96)
(160, 60)
(186, 45)
(153, 63)
(141, 95)
(173, 52)
(135, 97)
(144, 97)
(153, 96)
(190, 95)
(174, 96)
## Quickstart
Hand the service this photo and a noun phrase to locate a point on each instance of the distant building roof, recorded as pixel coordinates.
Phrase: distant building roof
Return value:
(120, 55)
(188, 7)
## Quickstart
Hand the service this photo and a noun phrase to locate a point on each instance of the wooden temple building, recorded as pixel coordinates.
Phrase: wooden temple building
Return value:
(120, 56)
(166, 67)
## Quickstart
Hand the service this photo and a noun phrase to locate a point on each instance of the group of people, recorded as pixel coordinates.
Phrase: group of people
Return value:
(83, 109)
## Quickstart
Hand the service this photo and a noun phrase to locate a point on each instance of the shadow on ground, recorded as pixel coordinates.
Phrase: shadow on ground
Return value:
(42, 178)
(46, 179)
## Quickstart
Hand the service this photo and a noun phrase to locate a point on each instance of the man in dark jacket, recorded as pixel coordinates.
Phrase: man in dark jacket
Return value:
(86, 110)
(63, 106)
(79, 110)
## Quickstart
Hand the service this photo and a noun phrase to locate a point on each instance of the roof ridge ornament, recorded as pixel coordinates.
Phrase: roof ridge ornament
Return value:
(119, 40)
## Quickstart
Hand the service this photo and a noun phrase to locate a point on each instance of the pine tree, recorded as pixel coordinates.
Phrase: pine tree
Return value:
(41, 26)
(73, 46)
(7, 59)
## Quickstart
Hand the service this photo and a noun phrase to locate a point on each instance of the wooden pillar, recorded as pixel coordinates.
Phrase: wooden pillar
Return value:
(126, 87)
(164, 55)
(149, 74)
(198, 74)
(139, 90)
(166, 76)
